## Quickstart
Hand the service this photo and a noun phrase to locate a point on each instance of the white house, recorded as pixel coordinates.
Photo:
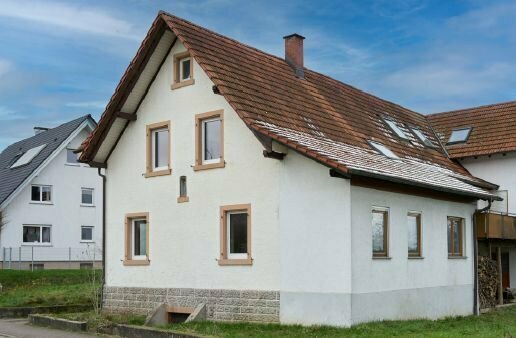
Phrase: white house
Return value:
(483, 140)
(51, 204)
(270, 192)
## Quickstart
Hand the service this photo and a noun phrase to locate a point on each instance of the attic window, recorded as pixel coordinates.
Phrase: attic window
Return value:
(28, 156)
(459, 135)
(383, 150)
(422, 137)
(397, 130)
(183, 70)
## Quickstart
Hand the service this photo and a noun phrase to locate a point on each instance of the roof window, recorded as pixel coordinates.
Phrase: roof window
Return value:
(383, 150)
(422, 137)
(459, 135)
(28, 156)
(394, 127)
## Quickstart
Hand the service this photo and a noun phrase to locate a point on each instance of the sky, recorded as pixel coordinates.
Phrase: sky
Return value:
(63, 59)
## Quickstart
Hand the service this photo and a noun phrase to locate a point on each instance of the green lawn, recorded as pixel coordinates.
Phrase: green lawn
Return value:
(46, 287)
(501, 323)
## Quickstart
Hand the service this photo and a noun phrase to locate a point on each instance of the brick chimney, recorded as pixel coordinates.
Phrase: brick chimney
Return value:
(294, 53)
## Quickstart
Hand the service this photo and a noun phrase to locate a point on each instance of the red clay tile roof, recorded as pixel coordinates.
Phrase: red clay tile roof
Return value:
(493, 129)
(272, 101)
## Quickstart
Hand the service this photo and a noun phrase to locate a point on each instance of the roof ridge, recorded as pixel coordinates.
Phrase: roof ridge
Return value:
(472, 108)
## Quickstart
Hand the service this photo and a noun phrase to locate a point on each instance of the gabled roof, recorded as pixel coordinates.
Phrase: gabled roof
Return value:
(493, 129)
(320, 117)
(12, 178)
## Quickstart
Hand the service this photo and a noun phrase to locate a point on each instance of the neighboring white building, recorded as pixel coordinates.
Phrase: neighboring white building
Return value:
(270, 192)
(51, 204)
(487, 148)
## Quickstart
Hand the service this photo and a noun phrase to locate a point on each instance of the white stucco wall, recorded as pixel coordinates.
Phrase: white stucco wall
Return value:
(65, 214)
(184, 237)
(315, 235)
(402, 288)
(497, 169)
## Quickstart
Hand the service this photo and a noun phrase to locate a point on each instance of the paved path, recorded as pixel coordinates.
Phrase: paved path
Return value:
(18, 328)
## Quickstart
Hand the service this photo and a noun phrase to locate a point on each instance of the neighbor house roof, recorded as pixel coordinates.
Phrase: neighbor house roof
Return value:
(322, 118)
(12, 178)
(493, 129)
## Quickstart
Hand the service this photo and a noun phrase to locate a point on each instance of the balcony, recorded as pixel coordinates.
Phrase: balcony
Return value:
(496, 225)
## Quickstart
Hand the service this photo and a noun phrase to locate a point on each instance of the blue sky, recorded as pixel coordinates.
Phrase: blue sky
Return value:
(63, 59)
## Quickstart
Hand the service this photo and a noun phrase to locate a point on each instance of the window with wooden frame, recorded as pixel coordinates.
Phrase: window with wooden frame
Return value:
(137, 239)
(183, 70)
(380, 229)
(158, 149)
(235, 235)
(414, 234)
(455, 236)
(209, 140)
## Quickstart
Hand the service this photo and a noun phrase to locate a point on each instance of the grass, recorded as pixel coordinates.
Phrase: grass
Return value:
(45, 287)
(499, 323)
(97, 323)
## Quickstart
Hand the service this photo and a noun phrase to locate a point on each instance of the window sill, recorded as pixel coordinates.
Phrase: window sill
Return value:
(248, 261)
(87, 242)
(457, 257)
(136, 262)
(158, 173)
(220, 164)
(183, 199)
(73, 164)
(177, 85)
(41, 203)
(36, 244)
(416, 257)
(381, 258)
(88, 205)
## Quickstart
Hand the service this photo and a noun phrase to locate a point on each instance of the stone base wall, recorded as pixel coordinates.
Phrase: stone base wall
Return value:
(222, 305)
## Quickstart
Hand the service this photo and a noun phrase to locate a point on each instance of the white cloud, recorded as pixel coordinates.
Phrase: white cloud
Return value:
(87, 104)
(5, 67)
(69, 16)
(7, 114)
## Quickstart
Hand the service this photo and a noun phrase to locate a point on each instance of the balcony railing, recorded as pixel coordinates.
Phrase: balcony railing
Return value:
(496, 225)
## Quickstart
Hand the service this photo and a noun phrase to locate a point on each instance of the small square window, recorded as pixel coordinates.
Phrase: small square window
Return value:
(86, 196)
(85, 266)
(183, 70)
(71, 157)
(41, 193)
(86, 233)
(235, 235)
(459, 135)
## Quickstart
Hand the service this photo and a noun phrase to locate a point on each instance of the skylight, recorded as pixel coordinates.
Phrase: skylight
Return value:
(422, 137)
(383, 150)
(459, 135)
(396, 129)
(28, 156)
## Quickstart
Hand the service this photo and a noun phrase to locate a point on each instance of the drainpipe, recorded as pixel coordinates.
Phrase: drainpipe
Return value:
(103, 231)
(475, 258)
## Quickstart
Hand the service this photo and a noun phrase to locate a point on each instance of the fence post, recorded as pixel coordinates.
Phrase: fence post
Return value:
(32, 258)
(70, 257)
(10, 256)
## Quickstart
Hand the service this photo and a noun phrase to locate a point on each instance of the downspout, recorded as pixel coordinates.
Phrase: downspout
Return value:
(103, 232)
(475, 258)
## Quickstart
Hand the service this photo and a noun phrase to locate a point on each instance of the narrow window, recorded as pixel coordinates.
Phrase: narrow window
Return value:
(414, 234)
(86, 233)
(380, 232)
(36, 234)
(209, 141)
(41, 193)
(183, 194)
(86, 196)
(137, 239)
(71, 157)
(396, 129)
(158, 149)
(183, 70)
(235, 235)
(455, 236)
(422, 137)
(383, 150)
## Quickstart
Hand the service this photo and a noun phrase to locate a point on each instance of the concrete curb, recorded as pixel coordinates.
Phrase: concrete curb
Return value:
(16, 312)
(58, 323)
(131, 331)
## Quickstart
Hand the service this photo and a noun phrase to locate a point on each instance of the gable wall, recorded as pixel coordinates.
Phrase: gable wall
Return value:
(65, 214)
(184, 237)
